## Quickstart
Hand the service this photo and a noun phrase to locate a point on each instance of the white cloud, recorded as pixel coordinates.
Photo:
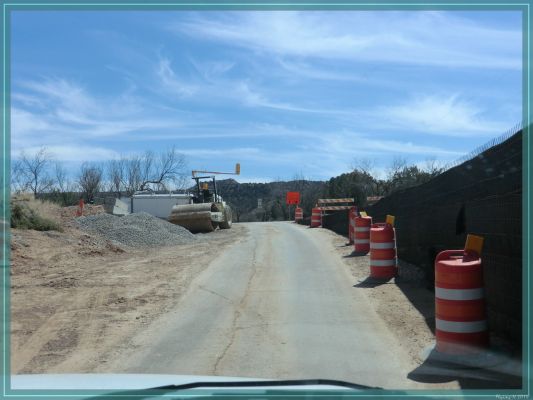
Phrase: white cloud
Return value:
(75, 153)
(424, 38)
(24, 123)
(73, 124)
(433, 114)
(27, 100)
(170, 81)
(65, 109)
(219, 90)
(300, 69)
(210, 70)
(254, 98)
(225, 152)
(321, 155)
(361, 145)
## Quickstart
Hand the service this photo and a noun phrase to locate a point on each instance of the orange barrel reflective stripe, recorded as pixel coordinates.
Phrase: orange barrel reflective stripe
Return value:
(362, 234)
(382, 251)
(298, 214)
(316, 219)
(460, 318)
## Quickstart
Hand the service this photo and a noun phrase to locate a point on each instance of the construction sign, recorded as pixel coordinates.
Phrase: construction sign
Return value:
(293, 198)
(474, 243)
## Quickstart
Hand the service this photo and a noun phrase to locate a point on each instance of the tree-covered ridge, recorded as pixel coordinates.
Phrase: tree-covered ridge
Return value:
(358, 184)
(244, 197)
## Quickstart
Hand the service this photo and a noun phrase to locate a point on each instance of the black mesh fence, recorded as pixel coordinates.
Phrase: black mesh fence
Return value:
(483, 196)
(336, 221)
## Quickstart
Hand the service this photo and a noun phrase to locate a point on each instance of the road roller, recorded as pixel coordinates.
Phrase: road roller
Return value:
(207, 210)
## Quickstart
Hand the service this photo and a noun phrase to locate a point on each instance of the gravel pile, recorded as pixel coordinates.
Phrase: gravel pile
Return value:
(136, 230)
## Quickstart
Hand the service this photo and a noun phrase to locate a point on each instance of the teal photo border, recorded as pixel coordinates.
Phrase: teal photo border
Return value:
(137, 5)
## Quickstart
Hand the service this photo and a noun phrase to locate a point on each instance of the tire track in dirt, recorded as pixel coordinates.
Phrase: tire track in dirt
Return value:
(76, 313)
(46, 333)
(87, 325)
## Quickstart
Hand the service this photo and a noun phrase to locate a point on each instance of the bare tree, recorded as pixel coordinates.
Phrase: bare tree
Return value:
(18, 183)
(64, 187)
(433, 167)
(115, 175)
(90, 180)
(147, 171)
(34, 171)
(397, 165)
(364, 165)
(60, 175)
(132, 175)
(299, 181)
(167, 167)
(369, 176)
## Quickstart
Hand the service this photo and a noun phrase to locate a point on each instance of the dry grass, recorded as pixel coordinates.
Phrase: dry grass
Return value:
(29, 213)
(46, 209)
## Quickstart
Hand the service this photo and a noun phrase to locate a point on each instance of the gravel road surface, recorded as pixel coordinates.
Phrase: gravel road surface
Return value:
(280, 304)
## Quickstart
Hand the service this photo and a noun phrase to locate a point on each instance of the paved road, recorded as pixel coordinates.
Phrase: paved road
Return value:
(280, 304)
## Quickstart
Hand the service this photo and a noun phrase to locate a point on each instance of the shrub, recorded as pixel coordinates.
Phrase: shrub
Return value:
(23, 217)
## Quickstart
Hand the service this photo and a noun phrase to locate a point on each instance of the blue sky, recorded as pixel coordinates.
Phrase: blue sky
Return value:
(283, 93)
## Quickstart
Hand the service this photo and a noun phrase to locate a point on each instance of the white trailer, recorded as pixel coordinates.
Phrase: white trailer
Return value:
(159, 205)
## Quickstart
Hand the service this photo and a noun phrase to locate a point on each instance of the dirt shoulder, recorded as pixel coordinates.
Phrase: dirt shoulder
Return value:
(76, 299)
(407, 307)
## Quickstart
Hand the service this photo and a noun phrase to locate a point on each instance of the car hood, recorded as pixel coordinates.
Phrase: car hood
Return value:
(109, 381)
(134, 382)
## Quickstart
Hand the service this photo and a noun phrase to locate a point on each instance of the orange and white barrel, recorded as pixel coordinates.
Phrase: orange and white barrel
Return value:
(316, 218)
(362, 234)
(382, 251)
(460, 318)
(298, 214)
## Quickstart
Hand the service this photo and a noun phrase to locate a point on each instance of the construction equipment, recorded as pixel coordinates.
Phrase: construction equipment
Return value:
(207, 210)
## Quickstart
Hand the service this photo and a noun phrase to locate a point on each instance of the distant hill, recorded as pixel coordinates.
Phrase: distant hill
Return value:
(243, 197)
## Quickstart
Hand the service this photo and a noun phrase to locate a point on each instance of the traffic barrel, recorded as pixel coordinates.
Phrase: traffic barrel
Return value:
(362, 234)
(316, 218)
(298, 214)
(460, 316)
(382, 251)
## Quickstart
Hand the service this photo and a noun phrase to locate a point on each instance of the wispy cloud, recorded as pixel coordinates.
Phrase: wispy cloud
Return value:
(67, 108)
(424, 38)
(75, 153)
(281, 92)
(24, 122)
(170, 81)
(440, 114)
(335, 152)
(342, 143)
(227, 152)
(211, 70)
(63, 115)
(305, 70)
(323, 154)
(216, 89)
(253, 98)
